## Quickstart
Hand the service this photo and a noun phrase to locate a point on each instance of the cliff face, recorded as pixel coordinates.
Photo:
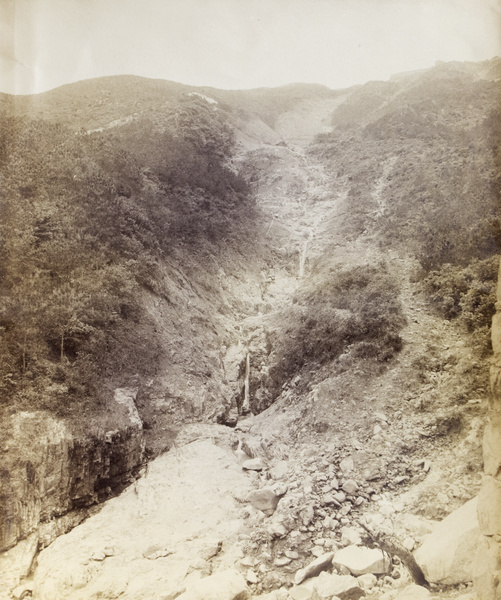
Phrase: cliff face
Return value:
(49, 473)
(488, 580)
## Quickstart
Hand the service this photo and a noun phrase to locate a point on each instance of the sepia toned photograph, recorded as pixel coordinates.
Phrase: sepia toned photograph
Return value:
(249, 256)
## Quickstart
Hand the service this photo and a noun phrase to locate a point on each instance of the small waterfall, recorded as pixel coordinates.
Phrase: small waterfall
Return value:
(302, 258)
(246, 404)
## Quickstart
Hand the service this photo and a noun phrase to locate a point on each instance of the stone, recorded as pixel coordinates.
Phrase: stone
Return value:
(409, 543)
(322, 563)
(339, 497)
(307, 515)
(344, 587)
(292, 554)
(367, 581)
(251, 576)
(489, 504)
(347, 464)
(446, 555)
(254, 464)
(282, 562)
(350, 487)
(350, 536)
(361, 560)
(225, 585)
(264, 500)
(413, 592)
(277, 530)
(303, 592)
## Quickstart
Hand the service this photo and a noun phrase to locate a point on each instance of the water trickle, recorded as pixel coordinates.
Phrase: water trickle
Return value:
(302, 258)
(246, 404)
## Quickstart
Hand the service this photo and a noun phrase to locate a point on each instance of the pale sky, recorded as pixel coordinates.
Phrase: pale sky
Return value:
(237, 44)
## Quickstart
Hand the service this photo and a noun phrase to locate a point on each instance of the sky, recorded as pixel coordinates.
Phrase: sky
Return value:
(235, 44)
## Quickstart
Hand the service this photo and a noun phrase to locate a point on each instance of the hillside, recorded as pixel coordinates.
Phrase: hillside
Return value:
(301, 275)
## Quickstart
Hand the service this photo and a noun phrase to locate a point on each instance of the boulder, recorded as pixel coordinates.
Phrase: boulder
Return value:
(367, 581)
(344, 587)
(350, 487)
(226, 585)
(446, 556)
(254, 464)
(303, 592)
(322, 563)
(361, 560)
(264, 500)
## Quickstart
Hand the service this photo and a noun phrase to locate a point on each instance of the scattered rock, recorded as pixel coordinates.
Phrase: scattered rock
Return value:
(303, 592)
(277, 530)
(307, 515)
(350, 536)
(360, 560)
(264, 500)
(322, 563)
(446, 556)
(367, 581)
(251, 577)
(282, 562)
(254, 464)
(350, 487)
(343, 587)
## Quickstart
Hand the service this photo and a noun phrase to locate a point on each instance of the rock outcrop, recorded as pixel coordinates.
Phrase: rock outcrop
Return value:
(488, 571)
(446, 555)
(49, 472)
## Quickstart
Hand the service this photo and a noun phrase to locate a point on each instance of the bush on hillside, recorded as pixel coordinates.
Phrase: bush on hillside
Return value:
(347, 310)
(466, 294)
(84, 224)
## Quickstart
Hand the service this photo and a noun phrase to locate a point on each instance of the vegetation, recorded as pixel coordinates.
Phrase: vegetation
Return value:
(85, 221)
(352, 311)
(420, 160)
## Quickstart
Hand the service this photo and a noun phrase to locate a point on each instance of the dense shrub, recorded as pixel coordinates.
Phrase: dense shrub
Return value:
(353, 310)
(467, 294)
(85, 220)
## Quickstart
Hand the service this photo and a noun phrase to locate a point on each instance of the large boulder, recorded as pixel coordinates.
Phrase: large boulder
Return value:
(360, 560)
(447, 554)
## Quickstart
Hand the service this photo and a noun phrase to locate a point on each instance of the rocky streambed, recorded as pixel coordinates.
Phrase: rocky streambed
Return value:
(233, 514)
